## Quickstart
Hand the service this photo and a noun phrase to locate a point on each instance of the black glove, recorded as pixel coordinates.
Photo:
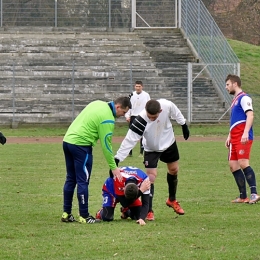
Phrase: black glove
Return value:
(110, 172)
(2, 139)
(185, 131)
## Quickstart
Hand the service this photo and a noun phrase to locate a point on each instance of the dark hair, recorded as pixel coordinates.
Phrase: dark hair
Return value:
(124, 102)
(131, 191)
(234, 79)
(153, 107)
(139, 82)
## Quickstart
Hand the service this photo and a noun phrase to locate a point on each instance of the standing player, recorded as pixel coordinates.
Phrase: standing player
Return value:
(138, 100)
(240, 140)
(2, 139)
(95, 121)
(135, 184)
(155, 126)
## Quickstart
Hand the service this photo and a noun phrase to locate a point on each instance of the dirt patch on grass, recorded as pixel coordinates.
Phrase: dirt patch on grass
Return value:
(31, 140)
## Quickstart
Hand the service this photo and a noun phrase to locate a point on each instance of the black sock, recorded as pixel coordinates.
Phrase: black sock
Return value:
(151, 198)
(241, 183)
(250, 178)
(172, 186)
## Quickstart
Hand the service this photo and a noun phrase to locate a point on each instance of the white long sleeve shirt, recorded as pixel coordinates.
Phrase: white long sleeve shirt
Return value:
(157, 135)
(138, 102)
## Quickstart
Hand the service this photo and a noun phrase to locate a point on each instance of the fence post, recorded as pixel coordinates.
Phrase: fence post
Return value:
(133, 14)
(56, 13)
(14, 124)
(198, 36)
(73, 90)
(189, 93)
(179, 13)
(109, 14)
(1, 13)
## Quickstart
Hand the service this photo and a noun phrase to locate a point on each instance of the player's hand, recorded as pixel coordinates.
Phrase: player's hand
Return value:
(141, 222)
(227, 143)
(185, 131)
(2, 139)
(244, 138)
(117, 174)
(145, 185)
(128, 119)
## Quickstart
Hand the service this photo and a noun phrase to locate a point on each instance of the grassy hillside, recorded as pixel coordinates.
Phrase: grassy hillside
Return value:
(249, 56)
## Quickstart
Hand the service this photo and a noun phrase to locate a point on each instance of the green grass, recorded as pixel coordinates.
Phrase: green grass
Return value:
(249, 56)
(31, 182)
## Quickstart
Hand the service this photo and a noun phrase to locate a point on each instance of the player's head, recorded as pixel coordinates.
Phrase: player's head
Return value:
(233, 83)
(122, 105)
(131, 189)
(153, 109)
(138, 86)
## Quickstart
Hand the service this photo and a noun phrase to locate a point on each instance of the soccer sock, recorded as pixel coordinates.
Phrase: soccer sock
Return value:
(250, 178)
(172, 186)
(151, 198)
(241, 183)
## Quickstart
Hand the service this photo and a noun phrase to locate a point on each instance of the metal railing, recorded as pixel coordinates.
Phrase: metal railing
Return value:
(208, 43)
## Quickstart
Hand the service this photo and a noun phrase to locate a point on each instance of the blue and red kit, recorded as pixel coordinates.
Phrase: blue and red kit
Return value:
(113, 190)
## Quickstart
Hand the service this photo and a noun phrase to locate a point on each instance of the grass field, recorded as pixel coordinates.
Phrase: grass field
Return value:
(32, 178)
(31, 182)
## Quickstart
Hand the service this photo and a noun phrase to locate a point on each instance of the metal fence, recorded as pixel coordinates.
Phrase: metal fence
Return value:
(199, 28)
(209, 43)
(89, 13)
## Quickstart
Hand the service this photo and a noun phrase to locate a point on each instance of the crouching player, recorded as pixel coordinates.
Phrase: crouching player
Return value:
(134, 186)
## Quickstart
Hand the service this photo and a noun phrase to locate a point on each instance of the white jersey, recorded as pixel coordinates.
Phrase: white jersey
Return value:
(138, 102)
(157, 135)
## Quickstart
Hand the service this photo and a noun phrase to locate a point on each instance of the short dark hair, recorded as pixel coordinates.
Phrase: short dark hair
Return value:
(152, 107)
(139, 82)
(234, 79)
(131, 191)
(124, 102)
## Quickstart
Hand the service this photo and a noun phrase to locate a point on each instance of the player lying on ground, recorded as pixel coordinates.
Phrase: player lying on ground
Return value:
(134, 186)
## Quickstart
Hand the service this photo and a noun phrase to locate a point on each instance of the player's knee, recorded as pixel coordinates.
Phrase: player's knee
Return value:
(107, 219)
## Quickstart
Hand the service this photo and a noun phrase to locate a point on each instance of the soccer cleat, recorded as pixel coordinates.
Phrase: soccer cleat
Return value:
(239, 200)
(125, 213)
(254, 198)
(67, 217)
(89, 220)
(175, 205)
(98, 215)
(150, 216)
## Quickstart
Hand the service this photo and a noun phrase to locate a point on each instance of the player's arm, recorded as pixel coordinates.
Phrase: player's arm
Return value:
(246, 103)
(133, 135)
(176, 114)
(144, 209)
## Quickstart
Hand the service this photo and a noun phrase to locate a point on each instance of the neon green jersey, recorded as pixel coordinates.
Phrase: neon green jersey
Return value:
(95, 121)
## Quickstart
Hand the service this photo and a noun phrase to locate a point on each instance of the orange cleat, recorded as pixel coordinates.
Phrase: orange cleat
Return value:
(175, 205)
(150, 216)
(239, 200)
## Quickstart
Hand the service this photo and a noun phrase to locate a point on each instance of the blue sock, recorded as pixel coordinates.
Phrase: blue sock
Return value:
(250, 178)
(241, 183)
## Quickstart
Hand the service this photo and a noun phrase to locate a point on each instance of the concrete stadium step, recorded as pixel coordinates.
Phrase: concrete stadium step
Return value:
(40, 68)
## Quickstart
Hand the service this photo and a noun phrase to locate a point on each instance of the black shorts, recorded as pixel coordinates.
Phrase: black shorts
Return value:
(170, 155)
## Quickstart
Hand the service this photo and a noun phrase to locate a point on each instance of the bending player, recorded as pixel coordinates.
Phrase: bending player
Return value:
(135, 185)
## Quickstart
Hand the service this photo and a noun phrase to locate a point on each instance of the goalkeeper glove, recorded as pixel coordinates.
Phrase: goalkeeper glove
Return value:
(185, 131)
(2, 139)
